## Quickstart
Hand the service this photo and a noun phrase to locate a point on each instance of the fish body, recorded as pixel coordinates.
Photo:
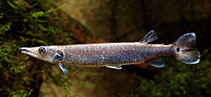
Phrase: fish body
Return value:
(113, 55)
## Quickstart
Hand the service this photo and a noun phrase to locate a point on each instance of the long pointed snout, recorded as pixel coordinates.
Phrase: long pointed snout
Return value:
(29, 51)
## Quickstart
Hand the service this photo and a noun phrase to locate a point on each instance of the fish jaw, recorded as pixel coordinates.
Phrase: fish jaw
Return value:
(30, 51)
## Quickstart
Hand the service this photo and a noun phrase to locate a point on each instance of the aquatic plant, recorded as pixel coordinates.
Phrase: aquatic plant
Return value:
(27, 22)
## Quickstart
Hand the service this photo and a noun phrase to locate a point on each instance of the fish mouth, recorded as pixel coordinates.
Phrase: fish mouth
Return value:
(28, 51)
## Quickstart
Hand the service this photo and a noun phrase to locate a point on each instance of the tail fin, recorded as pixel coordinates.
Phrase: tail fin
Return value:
(185, 50)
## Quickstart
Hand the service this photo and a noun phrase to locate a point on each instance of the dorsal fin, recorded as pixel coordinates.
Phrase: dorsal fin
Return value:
(149, 37)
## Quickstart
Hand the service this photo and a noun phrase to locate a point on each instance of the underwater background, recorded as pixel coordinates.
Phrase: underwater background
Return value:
(63, 22)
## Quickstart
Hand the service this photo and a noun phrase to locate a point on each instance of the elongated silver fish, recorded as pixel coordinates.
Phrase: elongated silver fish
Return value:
(113, 55)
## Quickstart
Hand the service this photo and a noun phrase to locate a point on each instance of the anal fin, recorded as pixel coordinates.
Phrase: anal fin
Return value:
(158, 63)
(114, 67)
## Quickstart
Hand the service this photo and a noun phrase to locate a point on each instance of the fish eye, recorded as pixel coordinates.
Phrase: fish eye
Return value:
(42, 50)
(178, 49)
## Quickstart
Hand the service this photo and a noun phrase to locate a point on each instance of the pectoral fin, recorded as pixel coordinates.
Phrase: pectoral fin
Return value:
(114, 67)
(64, 70)
(149, 37)
(158, 63)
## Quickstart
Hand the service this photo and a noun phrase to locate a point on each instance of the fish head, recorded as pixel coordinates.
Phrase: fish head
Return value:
(46, 53)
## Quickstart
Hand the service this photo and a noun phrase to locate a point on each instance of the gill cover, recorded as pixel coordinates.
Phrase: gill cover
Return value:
(185, 50)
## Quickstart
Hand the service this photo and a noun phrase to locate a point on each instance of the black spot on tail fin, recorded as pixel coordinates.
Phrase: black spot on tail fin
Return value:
(185, 50)
(149, 37)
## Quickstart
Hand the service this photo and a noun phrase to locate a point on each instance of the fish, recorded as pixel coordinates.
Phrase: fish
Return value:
(114, 55)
